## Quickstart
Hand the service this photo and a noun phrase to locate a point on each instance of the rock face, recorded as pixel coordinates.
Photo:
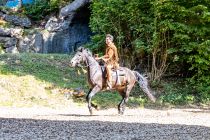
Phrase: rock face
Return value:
(66, 41)
(79, 30)
(9, 39)
(66, 36)
(12, 32)
(56, 25)
(38, 43)
(13, 41)
(60, 35)
(16, 20)
(57, 42)
(9, 44)
(71, 9)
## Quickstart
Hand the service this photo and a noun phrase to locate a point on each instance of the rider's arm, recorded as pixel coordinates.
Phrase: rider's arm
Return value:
(109, 55)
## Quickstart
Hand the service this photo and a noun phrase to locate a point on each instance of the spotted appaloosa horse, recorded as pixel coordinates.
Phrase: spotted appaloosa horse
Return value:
(124, 79)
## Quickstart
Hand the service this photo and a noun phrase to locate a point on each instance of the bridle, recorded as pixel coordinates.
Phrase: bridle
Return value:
(84, 59)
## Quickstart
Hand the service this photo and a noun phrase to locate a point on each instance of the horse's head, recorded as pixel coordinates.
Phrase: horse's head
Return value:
(80, 56)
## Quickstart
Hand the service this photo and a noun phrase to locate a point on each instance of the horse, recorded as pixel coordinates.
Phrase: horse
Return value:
(97, 79)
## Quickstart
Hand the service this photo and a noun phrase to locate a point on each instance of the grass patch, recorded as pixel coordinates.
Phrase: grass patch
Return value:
(52, 68)
(177, 92)
(40, 79)
(107, 99)
(36, 79)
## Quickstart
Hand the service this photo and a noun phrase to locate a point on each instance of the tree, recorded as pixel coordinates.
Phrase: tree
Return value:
(169, 37)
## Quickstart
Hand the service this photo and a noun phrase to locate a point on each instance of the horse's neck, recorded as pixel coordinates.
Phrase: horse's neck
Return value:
(92, 63)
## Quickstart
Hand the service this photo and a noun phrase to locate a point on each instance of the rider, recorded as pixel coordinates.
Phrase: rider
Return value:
(110, 58)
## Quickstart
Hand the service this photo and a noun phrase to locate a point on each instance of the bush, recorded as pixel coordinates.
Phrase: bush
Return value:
(41, 8)
(164, 37)
(179, 92)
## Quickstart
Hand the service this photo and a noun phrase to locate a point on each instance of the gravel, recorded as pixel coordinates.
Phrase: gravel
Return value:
(75, 123)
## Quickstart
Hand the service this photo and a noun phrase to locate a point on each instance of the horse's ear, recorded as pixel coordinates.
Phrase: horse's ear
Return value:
(80, 49)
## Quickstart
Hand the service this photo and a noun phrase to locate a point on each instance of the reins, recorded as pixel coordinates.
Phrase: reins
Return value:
(87, 64)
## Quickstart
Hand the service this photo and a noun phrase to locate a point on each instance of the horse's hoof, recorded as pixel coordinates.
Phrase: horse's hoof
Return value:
(120, 113)
(97, 108)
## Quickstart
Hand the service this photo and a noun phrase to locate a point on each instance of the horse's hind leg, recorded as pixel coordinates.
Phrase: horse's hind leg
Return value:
(125, 96)
(121, 106)
(91, 93)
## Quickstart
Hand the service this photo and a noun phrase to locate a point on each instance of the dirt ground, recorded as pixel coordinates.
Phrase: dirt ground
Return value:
(75, 123)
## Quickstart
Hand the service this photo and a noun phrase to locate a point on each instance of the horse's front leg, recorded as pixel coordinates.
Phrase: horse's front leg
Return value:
(91, 93)
(121, 106)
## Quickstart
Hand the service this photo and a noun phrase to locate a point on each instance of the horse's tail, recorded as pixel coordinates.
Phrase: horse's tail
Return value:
(143, 83)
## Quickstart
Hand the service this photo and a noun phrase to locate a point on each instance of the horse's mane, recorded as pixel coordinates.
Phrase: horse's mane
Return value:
(81, 49)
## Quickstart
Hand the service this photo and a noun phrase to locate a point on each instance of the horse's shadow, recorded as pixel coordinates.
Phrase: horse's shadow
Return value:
(13, 128)
(95, 115)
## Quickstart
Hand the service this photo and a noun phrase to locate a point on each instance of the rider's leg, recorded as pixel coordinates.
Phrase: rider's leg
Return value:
(109, 75)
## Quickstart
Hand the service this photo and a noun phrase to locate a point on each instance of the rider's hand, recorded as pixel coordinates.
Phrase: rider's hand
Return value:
(104, 59)
(96, 56)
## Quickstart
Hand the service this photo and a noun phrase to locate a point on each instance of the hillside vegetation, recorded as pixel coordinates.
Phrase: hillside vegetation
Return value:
(45, 80)
(166, 40)
(36, 79)
(163, 38)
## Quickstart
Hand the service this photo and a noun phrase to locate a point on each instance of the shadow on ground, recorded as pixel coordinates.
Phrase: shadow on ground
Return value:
(12, 128)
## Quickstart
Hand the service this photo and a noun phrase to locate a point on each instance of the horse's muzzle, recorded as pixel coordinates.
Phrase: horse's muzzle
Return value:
(72, 64)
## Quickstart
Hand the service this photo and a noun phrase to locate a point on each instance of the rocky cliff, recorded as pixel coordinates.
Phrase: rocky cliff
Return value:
(59, 35)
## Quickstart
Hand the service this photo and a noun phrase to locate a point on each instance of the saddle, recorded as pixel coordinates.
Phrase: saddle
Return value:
(118, 76)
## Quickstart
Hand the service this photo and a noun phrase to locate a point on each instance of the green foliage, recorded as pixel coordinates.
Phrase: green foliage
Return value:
(137, 102)
(107, 100)
(37, 79)
(178, 92)
(170, 37)
(49, 68)
(191, 39)
(125, 20)
(201, 67)
(112, 99)
(41, 8)
(38, 10)
(178, 99)
(47, 72)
